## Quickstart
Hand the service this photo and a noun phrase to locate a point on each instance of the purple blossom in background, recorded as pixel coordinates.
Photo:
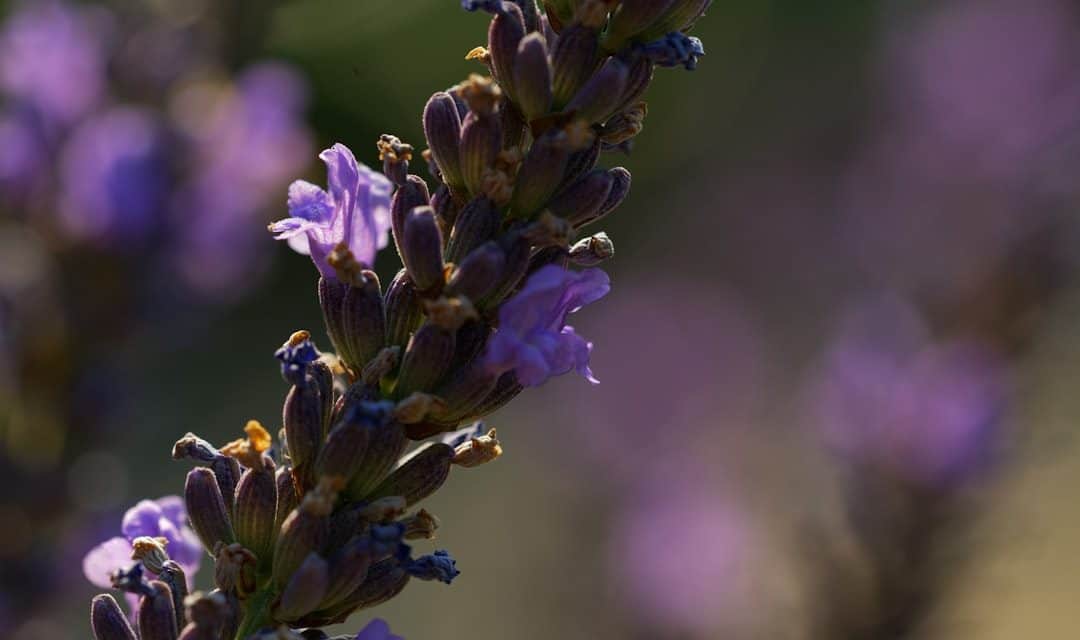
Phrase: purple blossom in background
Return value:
(679, 554)
(246, 141)
(377, 629)
(114, 176)
(355, 211)
(164, 517)
(981, 104)
(52, 60)
(533, 339)
(885, 395)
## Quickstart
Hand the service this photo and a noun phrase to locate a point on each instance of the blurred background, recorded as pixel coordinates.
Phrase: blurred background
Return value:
(837, 365)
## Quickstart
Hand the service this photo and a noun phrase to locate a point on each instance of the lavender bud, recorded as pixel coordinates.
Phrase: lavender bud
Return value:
(518, 253)
(625, 125)
(559, 11)
(442, 128)
(305, 530)
(403, 311)
(619, 190)
(414, 193)
(573, 61)
(481, 141)
(532, 77)
(603, 93)
(641, 76)
(506, 389)
(446, 208)
(157, 617)
(426, 360)
(287, 498)
(227, 472)
(385, 445)
(680, 16)
(464, 391)
(593, 250)
(302, 417)
(477, 451)
(581, 163)
(208, 613)
(323, 378)
(633, 17)
(580, 203)
(478, 222)
(206, 508)
(255, 512)
(348, 569)
(385, 579)
(422, 250)
(395, 156)
(108, 621)
(540, 174)
(479, 273)
(530, 12)
(513, 125)
(420, 526)
(332, 300)
(505, 33)
(363, 320)
(343, 451)
(173, 575)
(304, 590)
(420, 475)
(235, 569)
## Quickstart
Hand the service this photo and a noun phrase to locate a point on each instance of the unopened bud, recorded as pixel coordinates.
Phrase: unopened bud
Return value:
(532, 77)
(172, 574)
(477, 223)
(344, 449)
(581, 202)
(505, 33)
(421, 526)
(481, 141)
(287, 498)
(108, 621)
(540, 174)
(255, 511)
(442, 128)
(380, 366)
(206, 508)
(303, 419)
(305, 530)
(150, 552)
(414, 193)
(420, 475)
(603, 93)
(573, 61)
(235, 569)
(304, 590)
(364, 321)
(422, 250)
(404, 313)
(634, 17)
(426, 360)
(157, 617)
(348, 570)
(385, 446)
(680, 16)
(479, 273)
(593, 250)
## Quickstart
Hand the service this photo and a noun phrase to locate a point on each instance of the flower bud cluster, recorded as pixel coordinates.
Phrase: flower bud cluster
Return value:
(305, 535)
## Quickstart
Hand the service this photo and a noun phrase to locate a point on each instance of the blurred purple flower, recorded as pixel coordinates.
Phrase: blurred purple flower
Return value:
(247, 140)
(52, 59)
(22, 157)
(980, 118)
(679, 554)
(533, 339)
(164, 517)
(355, 211)
(377, 629)
(114, 178)
(888, 397)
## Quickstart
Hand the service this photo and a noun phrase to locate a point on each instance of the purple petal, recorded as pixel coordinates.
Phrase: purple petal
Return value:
(105, 558)
(142, 520)
(172, 507)
(377, 629)
(309, 202)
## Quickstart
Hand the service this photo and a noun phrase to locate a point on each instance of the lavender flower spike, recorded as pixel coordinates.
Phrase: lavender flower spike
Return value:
(533, 339)
(354, 212)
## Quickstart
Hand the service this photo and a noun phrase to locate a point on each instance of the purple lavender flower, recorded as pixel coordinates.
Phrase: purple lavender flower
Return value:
(114, 177)
(248, 140)
(533, 339)
(377, 629)
(52, 60)
(164, 517)
(355, 211)
(887, 396)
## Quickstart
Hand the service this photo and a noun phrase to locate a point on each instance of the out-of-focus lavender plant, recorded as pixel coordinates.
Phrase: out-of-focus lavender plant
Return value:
(132, 167)
(306, 535)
